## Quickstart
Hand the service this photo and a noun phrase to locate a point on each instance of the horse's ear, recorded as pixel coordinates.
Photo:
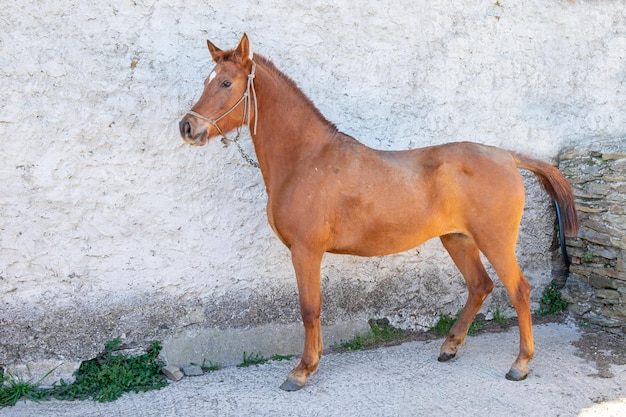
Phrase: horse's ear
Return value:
(243, 49)
(214, 50)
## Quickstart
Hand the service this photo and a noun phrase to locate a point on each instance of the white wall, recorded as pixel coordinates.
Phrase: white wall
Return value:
(111, 226)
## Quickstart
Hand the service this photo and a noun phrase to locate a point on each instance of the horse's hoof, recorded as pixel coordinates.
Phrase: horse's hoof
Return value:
(292, 384)
(445, 356)
(516, 375)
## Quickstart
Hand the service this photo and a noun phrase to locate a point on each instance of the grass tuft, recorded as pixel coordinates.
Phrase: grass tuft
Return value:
(499, 317)
(258, 359)
(12, 389)
(255, 359)
(445, 323)
(551, 302)
(381, 332)
(210, 367)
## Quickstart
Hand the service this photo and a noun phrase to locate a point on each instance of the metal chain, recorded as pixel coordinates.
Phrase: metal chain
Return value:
(245, 156)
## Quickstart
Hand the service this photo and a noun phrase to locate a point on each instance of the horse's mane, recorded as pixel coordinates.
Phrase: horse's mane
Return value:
(269, 65)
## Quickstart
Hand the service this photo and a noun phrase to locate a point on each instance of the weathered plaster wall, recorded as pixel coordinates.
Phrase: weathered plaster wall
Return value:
(110, 226)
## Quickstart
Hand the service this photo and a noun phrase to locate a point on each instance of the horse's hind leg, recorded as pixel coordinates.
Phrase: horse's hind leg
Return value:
(466, 256)
(503, 260)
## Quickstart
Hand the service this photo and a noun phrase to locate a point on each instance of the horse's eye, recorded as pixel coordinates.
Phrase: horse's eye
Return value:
(226, 84)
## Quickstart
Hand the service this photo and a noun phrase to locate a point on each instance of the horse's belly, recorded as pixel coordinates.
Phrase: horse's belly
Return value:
(377, 239)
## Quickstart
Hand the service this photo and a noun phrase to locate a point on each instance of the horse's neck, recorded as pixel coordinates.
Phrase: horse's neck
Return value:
(289, 128)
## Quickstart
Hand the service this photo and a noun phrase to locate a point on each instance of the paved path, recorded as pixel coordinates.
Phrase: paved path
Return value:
(403, 380)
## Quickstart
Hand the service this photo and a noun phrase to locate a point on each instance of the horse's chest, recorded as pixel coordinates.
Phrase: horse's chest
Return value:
(297, 214)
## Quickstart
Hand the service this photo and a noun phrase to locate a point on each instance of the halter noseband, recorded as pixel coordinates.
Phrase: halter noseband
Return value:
(246, 99)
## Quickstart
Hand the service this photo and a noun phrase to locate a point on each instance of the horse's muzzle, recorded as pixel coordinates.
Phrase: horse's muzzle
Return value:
(193, 134)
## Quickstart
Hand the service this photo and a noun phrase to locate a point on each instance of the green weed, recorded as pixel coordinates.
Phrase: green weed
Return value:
(211, 367)
(551, 302)
(475, 327)
(354, 344)
(380, 332)
(108, 376)
(258, 359)
(499, 318)
(445, 323)
(104, 378)
(279, 358)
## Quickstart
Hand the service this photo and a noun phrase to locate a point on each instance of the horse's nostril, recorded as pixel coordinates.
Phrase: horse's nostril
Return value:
(185, 128)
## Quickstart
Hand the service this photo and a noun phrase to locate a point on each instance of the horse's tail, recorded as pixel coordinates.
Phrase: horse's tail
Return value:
(556, 186)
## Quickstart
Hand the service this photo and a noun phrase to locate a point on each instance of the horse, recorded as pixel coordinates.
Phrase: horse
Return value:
(327, 192)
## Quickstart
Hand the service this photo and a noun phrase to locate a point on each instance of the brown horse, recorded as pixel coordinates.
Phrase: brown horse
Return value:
(329, 193)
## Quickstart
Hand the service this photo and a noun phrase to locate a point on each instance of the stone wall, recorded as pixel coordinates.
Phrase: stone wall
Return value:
(111, 227)
(596, 287)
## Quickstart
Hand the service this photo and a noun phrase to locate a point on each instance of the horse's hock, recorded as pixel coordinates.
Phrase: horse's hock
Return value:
(596, 287)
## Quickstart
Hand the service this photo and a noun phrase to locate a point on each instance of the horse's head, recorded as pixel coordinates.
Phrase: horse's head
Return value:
(225, 103)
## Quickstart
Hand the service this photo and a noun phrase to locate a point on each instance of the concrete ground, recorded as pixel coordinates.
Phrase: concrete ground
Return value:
(566, 379)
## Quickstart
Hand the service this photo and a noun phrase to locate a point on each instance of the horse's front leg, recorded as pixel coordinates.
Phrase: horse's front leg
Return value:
(307, 266)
